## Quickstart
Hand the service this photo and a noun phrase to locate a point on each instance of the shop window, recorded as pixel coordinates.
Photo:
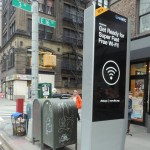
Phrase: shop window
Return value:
(144, 15)
(138, 69)
(137, 88)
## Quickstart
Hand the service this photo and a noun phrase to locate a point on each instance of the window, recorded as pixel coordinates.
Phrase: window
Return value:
(12, 9)
(41, 32)
(4, 19)
(49, 32)
(45, 32)
(4, 3)
(11, 60)
(72, 62)
(41, 6)
(103, 3)
(29, 57)
(4, 61)
(5, 38)
(12, 28)
(46, 6)
(29, 26)
(72, 13)
(50, 7)
(144, 16)
(71, 36)
(138, 69)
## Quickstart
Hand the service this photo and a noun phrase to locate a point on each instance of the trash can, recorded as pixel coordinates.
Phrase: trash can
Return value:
(59, 123)
(19, 105)
(19, 123)
(37, 121)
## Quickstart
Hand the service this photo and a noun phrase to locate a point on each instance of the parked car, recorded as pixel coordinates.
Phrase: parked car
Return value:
(65, 96)
(61, 96)
(56, 95)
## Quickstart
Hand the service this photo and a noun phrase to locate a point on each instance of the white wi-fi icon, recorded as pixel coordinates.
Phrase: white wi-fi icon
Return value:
(111, 71)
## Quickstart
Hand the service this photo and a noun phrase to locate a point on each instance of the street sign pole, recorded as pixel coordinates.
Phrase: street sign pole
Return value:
(35, 51)
(21, 5)
(35, 64)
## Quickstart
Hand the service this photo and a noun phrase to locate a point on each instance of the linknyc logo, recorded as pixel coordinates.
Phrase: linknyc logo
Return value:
(120, 18)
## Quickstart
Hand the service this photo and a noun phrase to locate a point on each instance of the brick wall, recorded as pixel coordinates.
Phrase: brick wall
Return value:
(128, 8)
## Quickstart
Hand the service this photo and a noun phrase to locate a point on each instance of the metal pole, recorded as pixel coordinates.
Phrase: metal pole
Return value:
(35, 64)
(35, 49)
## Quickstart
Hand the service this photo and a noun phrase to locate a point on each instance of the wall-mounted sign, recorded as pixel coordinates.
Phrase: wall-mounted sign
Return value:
(109, 65)
(18, 77)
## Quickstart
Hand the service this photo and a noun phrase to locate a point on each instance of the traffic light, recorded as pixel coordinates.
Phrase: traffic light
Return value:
(47, 60)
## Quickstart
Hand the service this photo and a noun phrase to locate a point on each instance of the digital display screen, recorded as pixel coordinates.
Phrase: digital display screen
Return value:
(109, 65)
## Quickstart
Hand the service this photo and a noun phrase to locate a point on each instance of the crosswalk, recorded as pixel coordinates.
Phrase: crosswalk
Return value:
(5, 115)
(1, 119)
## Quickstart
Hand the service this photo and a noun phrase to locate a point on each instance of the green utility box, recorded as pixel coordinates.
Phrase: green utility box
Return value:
(37, 121)
(44, 90)
(59, 123)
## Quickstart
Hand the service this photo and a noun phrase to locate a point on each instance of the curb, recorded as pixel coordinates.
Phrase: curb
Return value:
(5, 141)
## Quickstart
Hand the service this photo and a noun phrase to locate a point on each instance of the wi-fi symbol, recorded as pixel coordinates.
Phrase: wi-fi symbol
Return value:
(111, 71)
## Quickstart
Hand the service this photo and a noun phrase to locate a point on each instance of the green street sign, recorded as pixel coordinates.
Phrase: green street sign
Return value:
(22, 5)
(47, 22)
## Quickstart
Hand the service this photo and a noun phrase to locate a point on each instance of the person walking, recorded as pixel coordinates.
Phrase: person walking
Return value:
(78, 101)
(129, 111)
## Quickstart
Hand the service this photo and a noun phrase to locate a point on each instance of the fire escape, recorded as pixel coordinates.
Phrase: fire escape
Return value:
(74, 18)
(77, 23)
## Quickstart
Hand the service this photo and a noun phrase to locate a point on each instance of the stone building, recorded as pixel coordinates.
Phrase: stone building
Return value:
(0, 23)
(65, 41)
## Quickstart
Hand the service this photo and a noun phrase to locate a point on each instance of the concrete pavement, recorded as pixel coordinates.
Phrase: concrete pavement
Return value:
(139, 141)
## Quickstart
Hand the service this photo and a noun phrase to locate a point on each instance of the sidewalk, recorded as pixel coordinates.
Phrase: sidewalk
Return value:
(139, 141)
(6, 102)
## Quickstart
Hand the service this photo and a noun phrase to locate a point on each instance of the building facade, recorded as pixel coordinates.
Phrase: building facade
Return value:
(65, 42)
(138, 13)
(0, 23)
